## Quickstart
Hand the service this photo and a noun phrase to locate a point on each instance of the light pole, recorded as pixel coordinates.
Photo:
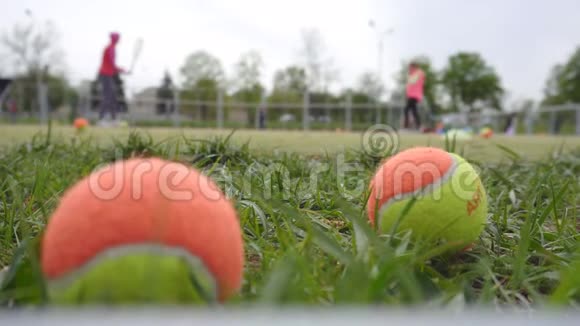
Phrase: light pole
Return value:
(381, 34)
(41, 88)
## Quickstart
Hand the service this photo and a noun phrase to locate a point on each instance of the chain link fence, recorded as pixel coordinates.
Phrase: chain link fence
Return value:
(26, 103)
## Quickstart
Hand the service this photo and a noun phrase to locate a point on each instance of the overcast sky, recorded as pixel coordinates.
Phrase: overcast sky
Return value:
(522, 39)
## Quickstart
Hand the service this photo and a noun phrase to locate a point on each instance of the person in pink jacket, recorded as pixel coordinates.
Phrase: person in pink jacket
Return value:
(415, 85)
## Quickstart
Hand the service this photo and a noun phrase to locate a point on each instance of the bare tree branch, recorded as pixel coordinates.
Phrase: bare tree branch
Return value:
(31, 48)
(319, 67)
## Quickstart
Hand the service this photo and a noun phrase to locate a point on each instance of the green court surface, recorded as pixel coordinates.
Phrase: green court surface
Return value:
(320, 142)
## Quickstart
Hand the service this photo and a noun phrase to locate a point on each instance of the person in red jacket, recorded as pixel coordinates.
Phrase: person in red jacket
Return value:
(107, 74)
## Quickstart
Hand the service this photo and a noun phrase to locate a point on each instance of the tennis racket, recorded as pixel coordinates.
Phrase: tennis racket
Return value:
(136, 52)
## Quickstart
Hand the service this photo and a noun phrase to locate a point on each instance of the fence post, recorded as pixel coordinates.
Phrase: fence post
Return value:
(306, 111)
(43, 102)
(529, 122)
(20, 102)
(348, 113)
(4, 95)
(168, 107)
(176, 117)
(84, 104)
(552, 127)
(390, 114)
(131, 104)
(378, 113)
(497, 122)
(220, 109)
(38, 99)
(256, 110)
(577, 120)
(67, 104)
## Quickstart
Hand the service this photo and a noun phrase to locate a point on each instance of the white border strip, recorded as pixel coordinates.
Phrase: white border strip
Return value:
(297, 315)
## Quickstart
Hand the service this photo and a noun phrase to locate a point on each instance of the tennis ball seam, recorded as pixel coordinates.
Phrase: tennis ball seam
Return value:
(423, 190)
(194, 262)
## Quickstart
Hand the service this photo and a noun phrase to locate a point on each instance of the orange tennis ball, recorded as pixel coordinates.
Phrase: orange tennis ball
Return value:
(80, 123)
(450, 201)
(143, 230)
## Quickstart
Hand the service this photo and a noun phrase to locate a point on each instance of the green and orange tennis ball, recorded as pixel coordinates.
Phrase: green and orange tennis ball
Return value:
(450, 201)
(143, 230)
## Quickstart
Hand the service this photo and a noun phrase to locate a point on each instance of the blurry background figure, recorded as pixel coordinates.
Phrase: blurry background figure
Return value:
(12, 109)
(107, 74)
(557, 124)
(440, 128)
(262, 118)
(7, 101)
(510, 126)
(415, 83)
(4, 86)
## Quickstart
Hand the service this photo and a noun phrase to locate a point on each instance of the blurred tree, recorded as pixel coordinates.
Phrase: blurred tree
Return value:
(360, 96)
(552, 93)
(203, 77)
(432, 89)
(246, 82)
(371, 86)
(36, 54)
(165, 96)
(288, 87)
(369, 90)
(289, 84)
(60, 93)
(357, 96)
(247, 73)
(563, 84)
(32, 49)
(319, 67)
(201, 65)
(321, 104)
(471, 83)
(204, 93)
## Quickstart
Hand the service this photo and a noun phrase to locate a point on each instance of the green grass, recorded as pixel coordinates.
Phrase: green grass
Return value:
(311, 244)
(315, 143)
